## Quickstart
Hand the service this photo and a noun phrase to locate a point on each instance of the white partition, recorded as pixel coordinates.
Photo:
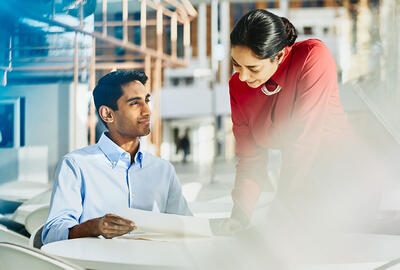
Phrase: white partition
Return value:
(33, 164)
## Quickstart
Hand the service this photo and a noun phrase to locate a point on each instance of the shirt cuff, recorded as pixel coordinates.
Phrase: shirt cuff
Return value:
(58, 231)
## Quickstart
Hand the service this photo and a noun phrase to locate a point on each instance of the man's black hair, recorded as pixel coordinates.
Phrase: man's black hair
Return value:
(109, 88)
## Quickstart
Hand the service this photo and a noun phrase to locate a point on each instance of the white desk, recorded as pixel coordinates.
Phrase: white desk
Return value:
(357, 252)
(366, 252)
(20, 191)
(346, 252)
(96, 253)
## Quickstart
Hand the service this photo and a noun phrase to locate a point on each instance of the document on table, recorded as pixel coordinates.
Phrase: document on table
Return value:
(153, 222)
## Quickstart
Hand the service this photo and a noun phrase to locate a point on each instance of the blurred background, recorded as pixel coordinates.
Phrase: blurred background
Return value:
(52, 52)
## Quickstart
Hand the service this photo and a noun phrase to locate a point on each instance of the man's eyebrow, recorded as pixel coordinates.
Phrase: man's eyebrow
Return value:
(134, 98)
(137, 98)
(234, 61)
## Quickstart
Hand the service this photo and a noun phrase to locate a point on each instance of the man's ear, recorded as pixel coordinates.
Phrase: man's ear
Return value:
(106, 113)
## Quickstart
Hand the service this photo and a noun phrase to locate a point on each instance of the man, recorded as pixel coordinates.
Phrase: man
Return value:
(97, 180)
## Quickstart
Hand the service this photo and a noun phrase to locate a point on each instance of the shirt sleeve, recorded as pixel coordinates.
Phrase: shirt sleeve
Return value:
(176, 202)
(316, 83)
(251, 169)
(66, 202)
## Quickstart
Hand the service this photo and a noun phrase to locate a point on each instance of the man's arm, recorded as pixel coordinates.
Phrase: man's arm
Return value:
(176, 202)
(66, 210)
(66, 202)
(108, 226)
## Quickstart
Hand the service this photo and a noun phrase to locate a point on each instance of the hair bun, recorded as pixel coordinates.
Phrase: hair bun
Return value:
(290, 31)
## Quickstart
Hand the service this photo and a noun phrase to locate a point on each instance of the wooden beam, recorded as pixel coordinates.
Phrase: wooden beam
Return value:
(92, 113)
(76, 77)
(189, 8)
(147, 70)
(174, 35)
(117, 65)
(159, 31)
(104, 22)
(186, 40)
(119, 43)
(131, 23)
(125, 21)
(143, 24)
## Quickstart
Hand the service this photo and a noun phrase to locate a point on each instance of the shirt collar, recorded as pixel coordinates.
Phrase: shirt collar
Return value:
(114, 153)
(279, 75)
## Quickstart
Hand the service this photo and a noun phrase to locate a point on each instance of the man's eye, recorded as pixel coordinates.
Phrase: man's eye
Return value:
(147, 100)
(134, 103)
(254, 70)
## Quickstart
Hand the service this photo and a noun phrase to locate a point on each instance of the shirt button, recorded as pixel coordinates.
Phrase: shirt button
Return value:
(114, 163)
(133, 195)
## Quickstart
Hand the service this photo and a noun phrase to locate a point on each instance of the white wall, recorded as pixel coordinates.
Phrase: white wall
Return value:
(185, 102)
(48, 111)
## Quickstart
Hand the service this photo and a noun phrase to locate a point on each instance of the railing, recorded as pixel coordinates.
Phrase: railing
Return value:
(151, 60)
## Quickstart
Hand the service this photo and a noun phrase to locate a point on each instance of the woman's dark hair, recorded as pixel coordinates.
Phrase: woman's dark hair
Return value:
(108, 90)
(266, 34)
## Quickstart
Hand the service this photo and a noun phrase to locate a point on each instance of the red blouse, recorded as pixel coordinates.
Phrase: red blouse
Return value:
(299, 119)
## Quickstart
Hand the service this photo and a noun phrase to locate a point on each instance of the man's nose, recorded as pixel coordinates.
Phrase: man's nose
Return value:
(146, 109)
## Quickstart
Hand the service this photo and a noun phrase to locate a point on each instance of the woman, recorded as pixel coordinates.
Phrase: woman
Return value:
(284, 95)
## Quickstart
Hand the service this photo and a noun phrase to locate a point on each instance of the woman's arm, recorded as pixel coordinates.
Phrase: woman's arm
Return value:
(251, 169)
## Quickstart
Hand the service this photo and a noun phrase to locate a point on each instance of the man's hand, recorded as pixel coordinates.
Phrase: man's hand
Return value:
(111, 226)
(108, 226)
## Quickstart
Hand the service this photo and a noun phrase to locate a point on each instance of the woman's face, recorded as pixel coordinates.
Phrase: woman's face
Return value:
(253, 70)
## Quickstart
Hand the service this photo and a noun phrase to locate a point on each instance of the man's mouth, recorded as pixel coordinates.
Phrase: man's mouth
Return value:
(145, 121)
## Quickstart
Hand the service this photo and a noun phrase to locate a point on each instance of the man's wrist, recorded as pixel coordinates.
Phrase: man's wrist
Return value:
(89, 228)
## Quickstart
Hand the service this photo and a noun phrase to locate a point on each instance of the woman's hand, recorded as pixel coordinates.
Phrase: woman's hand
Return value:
(226, 226)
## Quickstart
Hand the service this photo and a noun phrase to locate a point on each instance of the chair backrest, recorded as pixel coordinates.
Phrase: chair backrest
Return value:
(36, 219)
(30, 205)
(7, 235)
(36, 238)
(14, 256)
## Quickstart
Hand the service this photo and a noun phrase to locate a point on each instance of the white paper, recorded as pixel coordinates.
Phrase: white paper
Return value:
(147, 221)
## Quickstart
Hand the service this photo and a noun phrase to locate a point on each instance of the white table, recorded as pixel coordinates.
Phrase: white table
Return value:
(97, 253)
(20, 191)
(359, 251)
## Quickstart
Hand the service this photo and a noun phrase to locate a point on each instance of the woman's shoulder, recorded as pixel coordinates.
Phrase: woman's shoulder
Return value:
(235, 84)
(310, 46)
(234, 79)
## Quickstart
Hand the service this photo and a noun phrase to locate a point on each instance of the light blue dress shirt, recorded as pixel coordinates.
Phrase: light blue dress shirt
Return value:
(100, 179)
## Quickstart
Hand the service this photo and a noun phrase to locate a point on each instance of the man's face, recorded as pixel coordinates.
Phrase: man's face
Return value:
(132, 119)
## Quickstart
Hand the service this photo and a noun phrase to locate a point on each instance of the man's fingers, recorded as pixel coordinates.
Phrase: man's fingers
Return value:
(112, 226)
(111, 232)
(118, 220)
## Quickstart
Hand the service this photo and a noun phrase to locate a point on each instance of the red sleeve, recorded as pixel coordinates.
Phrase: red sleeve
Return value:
(316, 83)
(251, 169)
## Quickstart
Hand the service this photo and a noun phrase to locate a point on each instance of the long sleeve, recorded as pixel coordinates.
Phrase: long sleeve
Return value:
(66, 202)
(316, 84)
(251, 169)
(176, 203)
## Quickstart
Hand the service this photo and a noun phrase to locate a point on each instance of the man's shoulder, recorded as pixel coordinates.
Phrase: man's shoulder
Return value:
(84, 153)
(155, 161)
